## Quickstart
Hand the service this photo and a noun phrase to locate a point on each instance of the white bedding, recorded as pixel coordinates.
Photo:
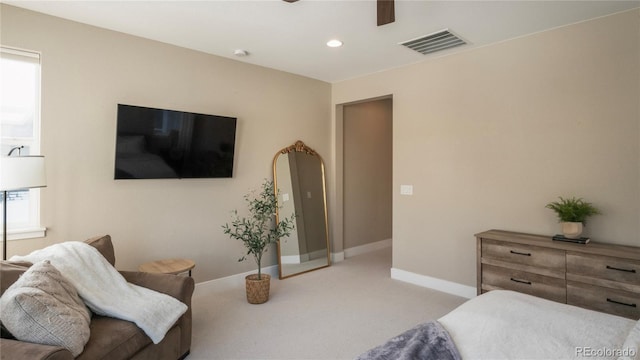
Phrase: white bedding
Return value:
(510, 325)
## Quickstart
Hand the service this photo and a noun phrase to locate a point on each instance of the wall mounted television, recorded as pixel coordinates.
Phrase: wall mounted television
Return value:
(167, 144)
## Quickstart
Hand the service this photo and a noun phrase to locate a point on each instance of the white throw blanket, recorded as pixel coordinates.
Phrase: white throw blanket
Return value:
(106, 292)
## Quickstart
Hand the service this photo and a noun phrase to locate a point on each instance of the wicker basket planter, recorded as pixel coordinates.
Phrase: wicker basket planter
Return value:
(257, 289)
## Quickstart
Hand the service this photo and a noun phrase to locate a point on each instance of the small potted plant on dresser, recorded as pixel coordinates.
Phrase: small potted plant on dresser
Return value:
(257, 232)
(572, 214)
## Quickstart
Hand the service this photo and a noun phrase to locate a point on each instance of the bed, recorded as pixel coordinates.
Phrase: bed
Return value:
(504, 324)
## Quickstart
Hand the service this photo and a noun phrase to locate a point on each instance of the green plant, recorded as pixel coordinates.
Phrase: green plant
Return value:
(572, 209)
(259, 229)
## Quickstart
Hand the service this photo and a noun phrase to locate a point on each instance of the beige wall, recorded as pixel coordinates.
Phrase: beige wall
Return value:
(367, 172)
(86, 71)
(487, 137)
(309, 177)
(289, 246)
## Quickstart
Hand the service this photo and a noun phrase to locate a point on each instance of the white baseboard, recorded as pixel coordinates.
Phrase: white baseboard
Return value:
(434, 283)
(446, 286)
(363, 249)
(290, 259)
(236, 280)
(359, 250)
(299, 259)
(322, 253)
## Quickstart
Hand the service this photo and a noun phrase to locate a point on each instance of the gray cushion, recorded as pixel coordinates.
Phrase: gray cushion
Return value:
(43, 307)
(105, 247)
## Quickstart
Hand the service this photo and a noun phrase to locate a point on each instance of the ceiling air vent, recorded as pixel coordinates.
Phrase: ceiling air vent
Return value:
(437, 41)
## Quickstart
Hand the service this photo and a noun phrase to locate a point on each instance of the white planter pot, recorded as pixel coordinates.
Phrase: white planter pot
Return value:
(572, 230)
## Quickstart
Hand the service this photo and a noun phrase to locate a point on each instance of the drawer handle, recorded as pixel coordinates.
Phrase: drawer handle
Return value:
(621, 303)
(520, 253)
(523, 282)
(633, 271)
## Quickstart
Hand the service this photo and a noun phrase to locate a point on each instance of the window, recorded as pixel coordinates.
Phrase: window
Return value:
(20, 126)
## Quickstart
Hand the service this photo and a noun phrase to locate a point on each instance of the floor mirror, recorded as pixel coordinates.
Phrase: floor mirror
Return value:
(299, 182)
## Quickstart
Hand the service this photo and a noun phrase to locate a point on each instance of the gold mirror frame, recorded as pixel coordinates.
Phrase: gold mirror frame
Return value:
(309, 219)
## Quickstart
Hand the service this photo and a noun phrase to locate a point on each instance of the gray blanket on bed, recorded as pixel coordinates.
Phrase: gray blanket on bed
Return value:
(425, 341)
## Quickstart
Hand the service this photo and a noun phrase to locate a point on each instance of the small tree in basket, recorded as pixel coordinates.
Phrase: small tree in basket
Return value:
(259, 230)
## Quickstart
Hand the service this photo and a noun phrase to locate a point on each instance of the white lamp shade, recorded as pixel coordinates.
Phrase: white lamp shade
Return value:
(21, 172)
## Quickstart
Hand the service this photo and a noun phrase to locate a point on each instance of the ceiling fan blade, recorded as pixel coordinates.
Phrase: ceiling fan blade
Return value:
(386, 12)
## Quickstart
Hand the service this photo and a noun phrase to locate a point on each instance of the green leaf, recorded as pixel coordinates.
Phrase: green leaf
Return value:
(572, 209)
(258, 229)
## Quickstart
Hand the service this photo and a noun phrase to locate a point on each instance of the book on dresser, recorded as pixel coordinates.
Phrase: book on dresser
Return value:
(596, 276)
(580, 240)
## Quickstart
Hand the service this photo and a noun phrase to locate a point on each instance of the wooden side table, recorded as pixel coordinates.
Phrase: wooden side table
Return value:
(168, 266)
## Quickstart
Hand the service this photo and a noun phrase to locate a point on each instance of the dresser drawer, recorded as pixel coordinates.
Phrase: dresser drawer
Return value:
(521, 254)
(494, 277)
(604, 267)
(616, 302)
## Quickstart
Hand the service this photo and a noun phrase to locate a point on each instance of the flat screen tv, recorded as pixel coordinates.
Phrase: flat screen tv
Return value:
(168, 144)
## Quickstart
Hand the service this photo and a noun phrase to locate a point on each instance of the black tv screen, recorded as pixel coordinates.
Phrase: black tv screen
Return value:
(168, 144)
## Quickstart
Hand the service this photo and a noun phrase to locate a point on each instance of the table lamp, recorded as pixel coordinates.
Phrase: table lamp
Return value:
(18, 173)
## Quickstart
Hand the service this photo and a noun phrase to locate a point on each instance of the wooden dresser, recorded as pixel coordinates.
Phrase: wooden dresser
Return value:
(597, 276)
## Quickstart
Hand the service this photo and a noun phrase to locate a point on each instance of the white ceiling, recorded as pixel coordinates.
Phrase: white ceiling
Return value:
(292, 36)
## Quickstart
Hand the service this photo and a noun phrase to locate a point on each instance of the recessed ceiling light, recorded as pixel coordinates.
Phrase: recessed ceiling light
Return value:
(334, 43)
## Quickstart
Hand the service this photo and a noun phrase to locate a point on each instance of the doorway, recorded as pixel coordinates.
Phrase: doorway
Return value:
(367, 175)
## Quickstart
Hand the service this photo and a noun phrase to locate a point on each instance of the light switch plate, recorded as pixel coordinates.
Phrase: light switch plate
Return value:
(406, 189)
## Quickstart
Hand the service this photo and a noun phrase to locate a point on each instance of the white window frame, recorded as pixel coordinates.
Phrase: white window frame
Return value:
(33, 228)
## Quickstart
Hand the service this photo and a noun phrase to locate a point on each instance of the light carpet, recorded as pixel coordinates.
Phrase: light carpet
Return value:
(337, 312)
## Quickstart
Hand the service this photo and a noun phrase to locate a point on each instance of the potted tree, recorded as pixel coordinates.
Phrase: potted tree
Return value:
(257, 232)
(572, 214)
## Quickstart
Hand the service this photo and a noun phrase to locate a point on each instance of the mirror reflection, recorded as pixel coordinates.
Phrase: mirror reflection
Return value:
(298, 173)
